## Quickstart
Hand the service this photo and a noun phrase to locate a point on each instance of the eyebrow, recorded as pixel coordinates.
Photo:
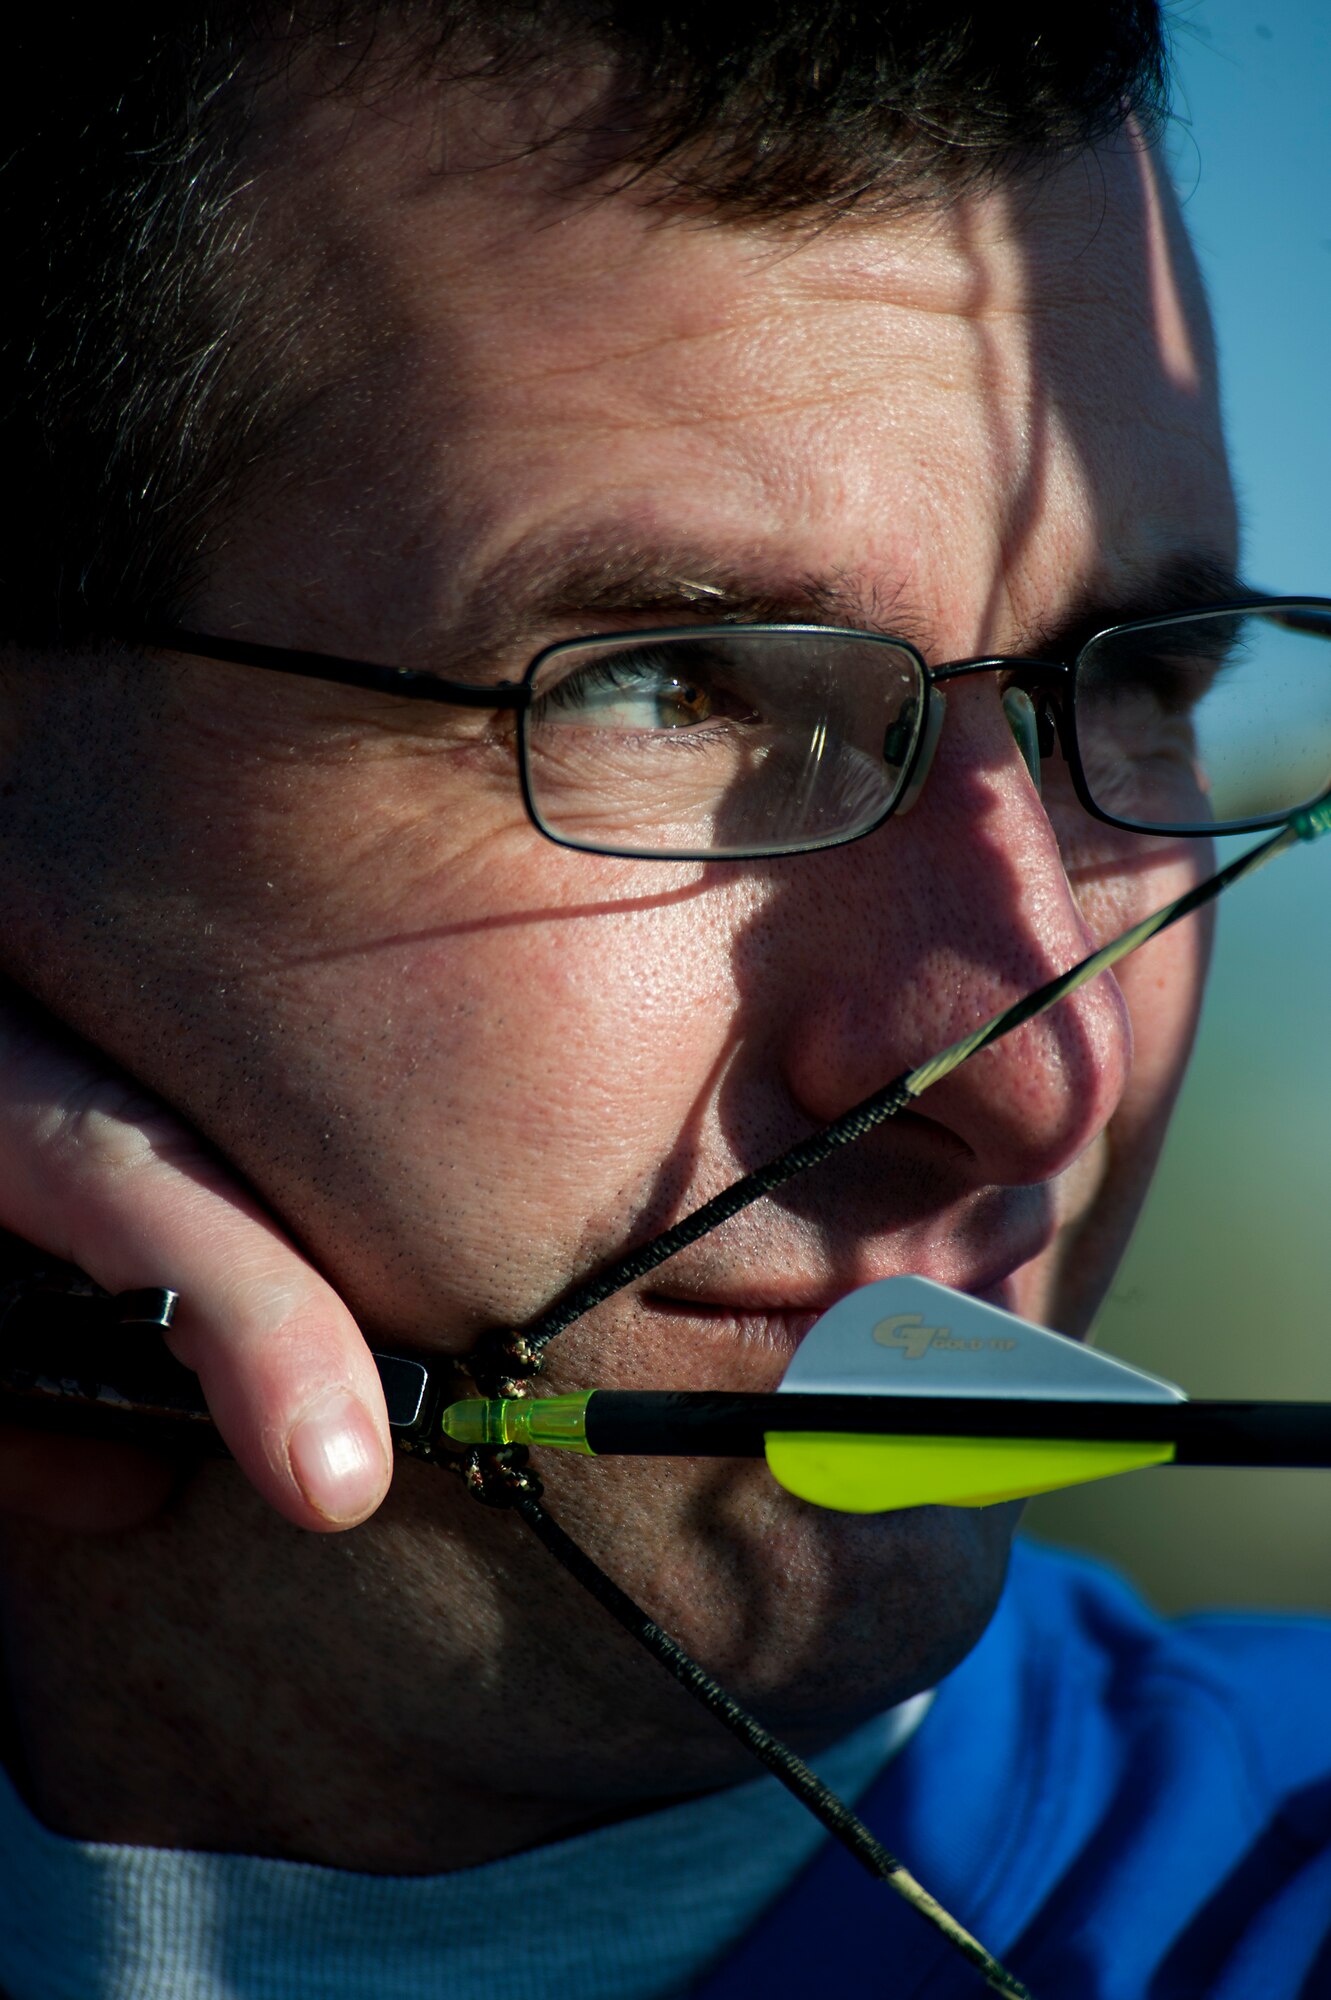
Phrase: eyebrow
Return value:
(546, 583)
(539, 585)
(1177, 580)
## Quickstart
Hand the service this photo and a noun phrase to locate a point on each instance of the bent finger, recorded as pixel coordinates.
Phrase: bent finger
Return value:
(97, 1172)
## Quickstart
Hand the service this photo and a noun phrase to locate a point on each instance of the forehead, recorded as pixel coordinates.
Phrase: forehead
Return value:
(922, 418)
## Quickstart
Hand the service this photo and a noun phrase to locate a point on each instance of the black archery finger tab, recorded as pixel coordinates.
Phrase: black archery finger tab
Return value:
(39, 1310)
(151, 1306)
(405, 1383)
(41, 1294)
(78, 1360)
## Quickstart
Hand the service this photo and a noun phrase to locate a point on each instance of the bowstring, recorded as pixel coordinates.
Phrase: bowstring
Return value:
(505, 1365)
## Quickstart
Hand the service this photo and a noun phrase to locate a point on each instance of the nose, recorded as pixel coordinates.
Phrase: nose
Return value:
(914, 936)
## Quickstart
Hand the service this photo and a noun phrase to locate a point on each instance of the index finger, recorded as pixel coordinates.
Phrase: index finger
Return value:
(97, 1172)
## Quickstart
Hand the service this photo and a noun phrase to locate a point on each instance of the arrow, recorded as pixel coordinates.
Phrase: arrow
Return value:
(906, 1394)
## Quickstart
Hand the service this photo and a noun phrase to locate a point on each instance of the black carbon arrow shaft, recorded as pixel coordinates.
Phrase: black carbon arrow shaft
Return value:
(691, 1423)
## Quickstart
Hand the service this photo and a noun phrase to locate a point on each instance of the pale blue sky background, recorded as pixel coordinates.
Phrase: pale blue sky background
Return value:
(1228, 1287)
(1252, 147)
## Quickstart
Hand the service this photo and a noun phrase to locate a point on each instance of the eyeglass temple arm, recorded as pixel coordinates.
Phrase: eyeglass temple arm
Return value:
(411, 682)
(1303, 618)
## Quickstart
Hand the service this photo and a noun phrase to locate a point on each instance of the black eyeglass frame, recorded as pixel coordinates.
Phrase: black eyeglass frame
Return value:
(1055, 680)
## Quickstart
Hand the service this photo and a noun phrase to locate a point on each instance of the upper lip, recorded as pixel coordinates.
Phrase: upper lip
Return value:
(973, 1240)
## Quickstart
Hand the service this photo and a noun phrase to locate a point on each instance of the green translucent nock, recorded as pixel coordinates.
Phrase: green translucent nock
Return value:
(539, 1420)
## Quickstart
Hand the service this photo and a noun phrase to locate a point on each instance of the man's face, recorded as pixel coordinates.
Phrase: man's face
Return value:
(466, 1066)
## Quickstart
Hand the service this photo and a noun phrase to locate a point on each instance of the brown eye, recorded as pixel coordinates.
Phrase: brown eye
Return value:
(693, 702)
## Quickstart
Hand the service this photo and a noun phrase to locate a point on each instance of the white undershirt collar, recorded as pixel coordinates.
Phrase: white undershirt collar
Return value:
(632, 1911)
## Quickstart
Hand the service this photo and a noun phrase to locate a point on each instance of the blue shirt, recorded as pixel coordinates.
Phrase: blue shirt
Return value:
(1119, 1807)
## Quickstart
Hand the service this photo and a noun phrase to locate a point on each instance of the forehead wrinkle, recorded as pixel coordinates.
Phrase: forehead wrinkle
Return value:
(719, 379)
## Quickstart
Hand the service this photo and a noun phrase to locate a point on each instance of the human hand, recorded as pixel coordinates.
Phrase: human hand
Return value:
(97, 1172)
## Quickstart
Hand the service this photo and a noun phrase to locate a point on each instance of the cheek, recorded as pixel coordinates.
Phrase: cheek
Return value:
(1118, 879)
(1162, 984)
(511, 1077)
(570, 1044)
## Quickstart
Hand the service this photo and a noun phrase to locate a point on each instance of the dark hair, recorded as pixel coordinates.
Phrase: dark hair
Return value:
(147, 356)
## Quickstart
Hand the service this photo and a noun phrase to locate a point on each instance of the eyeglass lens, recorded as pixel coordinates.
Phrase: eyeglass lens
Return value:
(744, 741)
(721, 742)
(1209, 720)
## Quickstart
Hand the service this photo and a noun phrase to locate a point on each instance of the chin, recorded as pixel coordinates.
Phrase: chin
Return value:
(818, 1620)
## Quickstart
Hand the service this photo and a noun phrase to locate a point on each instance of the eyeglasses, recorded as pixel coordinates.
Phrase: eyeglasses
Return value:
(741, 741)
